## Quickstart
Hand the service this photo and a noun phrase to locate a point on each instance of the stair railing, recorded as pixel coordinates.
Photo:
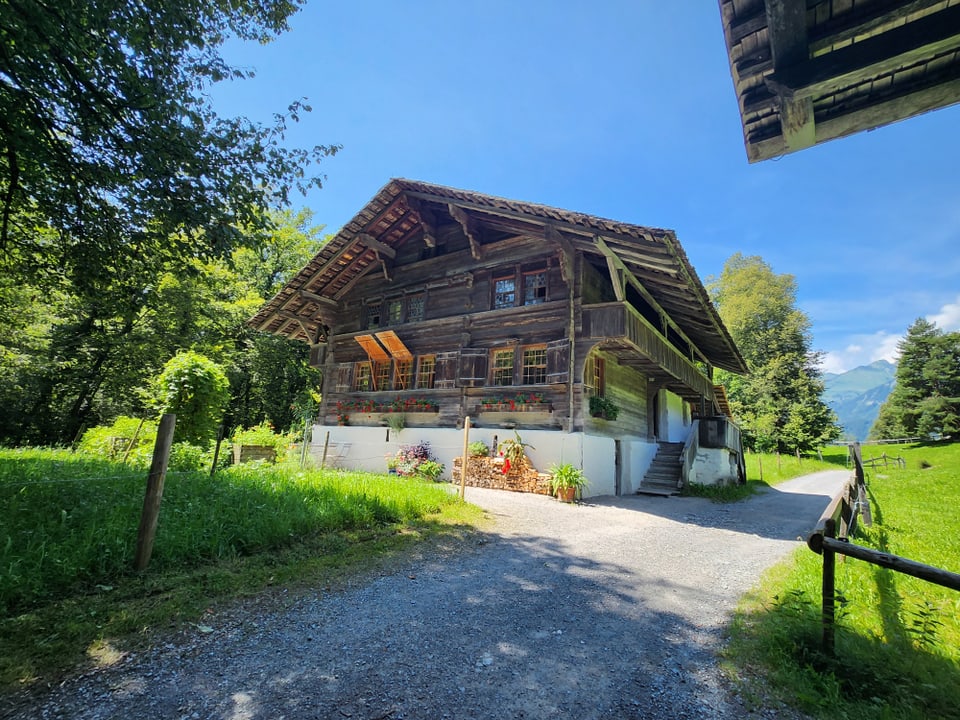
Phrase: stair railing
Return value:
(689, 454)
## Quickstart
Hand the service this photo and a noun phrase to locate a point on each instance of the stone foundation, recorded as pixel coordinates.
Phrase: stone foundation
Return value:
(487, 472)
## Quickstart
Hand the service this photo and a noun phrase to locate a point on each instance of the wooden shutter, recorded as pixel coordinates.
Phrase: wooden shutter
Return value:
(558, 361)
(446, 374)
(473, 367)
(344, 377)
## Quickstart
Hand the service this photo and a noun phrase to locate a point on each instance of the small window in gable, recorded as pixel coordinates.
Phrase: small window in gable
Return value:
(373, 316)
(415, 308)
(504, 292)
(535, 288)
(395, 312)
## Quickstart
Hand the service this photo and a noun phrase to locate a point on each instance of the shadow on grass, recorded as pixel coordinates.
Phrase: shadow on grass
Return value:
(866, 677)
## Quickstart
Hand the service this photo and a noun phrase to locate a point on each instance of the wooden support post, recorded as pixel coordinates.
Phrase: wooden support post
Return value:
(151, 501)
(466, 457)
(326, 445)
(216, 451)
(829, 573)
(760, 464)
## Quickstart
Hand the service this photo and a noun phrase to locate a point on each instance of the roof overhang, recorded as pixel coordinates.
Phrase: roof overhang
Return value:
(809, 71)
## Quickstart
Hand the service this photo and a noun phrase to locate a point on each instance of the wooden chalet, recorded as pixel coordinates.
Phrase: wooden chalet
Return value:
(439, 304)
(808, 71)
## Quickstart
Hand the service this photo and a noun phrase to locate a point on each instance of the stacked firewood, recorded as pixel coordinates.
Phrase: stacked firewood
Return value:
(488, 472)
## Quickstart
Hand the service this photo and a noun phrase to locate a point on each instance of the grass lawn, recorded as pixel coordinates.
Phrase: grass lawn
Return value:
(68, 528)
(898, 637)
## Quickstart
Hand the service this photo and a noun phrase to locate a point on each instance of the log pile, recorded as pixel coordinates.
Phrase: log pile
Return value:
(487, 472)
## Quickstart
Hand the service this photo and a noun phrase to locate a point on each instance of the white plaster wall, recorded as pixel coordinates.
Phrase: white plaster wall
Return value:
(673, 425)
(637, 458)
(714, 466)
(366, 448)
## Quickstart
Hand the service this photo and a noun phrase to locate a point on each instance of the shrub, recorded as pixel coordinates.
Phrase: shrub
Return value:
(110, 441)
(185, 457)
(410, 458)
(195, 389)
(566, 476)
(478, 448)
(264, 434)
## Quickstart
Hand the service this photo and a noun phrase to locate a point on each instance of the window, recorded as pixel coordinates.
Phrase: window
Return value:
(535, 365)
(373, 316)
(415, 306)
(395, 312)
(599, 377)
(426, 371)
(502, 367)
(402, 374)
(381, 376)
(535, 288)
(504, 292)
(362, 375)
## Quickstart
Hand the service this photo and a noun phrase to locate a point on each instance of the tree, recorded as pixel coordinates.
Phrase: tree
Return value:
(779, 402)
(195, 389)
(69, 360)
(926, 397)
(111, 155)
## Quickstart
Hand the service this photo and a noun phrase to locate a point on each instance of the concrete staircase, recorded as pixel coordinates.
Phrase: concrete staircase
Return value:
(664, 472)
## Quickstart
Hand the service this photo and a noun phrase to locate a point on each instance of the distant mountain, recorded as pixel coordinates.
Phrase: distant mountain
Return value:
(856, 395)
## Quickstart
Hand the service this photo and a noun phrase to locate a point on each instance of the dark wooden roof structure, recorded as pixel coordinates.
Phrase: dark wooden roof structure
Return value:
(808, 71)
(403, 210)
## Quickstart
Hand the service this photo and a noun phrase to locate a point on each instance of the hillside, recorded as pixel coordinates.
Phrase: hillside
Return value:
(856, 395)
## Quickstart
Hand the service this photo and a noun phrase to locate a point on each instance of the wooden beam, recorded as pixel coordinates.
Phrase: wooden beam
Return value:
(567, 254)
(374, 244)
(428, 220)
(857, 23)
(307, 295)
(787, 25)
(863, 61)
(469, 229)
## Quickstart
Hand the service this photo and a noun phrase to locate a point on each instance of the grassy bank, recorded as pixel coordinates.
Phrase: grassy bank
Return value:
(68, 528)
(898, 637)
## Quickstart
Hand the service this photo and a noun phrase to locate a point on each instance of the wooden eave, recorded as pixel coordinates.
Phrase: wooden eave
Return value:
(411, 211)
(809, 71)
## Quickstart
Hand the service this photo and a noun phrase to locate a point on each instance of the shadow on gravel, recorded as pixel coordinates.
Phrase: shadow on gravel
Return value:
(517, 629)
(772, 514)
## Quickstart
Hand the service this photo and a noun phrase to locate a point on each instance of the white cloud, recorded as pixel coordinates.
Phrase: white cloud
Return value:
(862, 350)
(881, 345)
(948, 319)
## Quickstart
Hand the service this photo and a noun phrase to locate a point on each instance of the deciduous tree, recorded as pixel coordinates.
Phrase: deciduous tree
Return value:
(779, 402)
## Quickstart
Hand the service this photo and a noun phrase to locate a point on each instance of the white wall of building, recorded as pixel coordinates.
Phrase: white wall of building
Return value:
(714, 466)
(366, 448)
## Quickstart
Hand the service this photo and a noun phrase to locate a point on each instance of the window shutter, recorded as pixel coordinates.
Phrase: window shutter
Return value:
(558, 361)
(344, 377)
(446, 376)
(473, 367)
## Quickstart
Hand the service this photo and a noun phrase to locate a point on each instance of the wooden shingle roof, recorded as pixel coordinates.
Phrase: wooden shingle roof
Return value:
(403, 209)
(808, 71)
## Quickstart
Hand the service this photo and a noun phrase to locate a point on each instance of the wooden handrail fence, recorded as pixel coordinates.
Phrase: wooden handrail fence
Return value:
(831, 537)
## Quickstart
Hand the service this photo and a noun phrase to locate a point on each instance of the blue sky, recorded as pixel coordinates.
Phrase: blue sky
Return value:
(623, 109)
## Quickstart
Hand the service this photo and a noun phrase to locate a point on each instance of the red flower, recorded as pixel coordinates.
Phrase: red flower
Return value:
(506, 466)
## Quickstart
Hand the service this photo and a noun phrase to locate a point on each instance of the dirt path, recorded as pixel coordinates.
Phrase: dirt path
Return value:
(611, 609)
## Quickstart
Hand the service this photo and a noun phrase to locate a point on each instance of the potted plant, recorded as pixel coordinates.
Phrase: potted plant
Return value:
(566, 481)
(601, 407)
(478, 448)
(513, 451)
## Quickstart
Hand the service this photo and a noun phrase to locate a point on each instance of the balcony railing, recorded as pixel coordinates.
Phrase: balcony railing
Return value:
(621, 322)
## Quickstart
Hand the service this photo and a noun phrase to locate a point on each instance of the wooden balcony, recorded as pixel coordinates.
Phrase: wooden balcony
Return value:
(621, 330)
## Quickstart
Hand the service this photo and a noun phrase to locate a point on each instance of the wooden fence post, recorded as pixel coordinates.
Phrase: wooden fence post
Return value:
(466, 457)
(829, 572)
(306, 439)
(151, 501)
(326, 445)
(136, 436)
(216, 450)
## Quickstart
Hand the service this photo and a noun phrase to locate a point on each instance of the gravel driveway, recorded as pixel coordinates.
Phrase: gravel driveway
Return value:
(609, 609)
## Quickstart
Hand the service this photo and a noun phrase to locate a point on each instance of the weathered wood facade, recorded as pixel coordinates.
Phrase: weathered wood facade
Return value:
(445, 301)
